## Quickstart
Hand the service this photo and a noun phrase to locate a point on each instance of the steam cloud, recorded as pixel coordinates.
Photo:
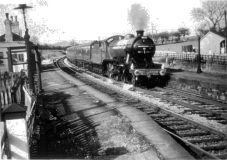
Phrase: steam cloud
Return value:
(138, 17)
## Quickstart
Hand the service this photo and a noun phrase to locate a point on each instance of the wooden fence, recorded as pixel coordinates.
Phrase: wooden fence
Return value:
(192, 57)
(10, 88)
(10, 92)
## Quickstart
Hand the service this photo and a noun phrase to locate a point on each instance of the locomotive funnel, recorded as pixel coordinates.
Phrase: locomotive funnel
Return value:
(140, 33)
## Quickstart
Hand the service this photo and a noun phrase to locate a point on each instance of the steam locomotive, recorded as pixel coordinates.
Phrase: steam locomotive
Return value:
(126, 58)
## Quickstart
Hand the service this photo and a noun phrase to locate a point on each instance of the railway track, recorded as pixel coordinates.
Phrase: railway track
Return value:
(210, 109)
(199, 139)
(196, 94)
(207, 105)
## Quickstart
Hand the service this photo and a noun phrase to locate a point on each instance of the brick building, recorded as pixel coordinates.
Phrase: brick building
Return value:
(13, 55)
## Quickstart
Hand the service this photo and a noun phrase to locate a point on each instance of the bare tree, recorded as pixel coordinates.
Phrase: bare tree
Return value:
(176, 36)
(34, 39)
(155, 37)
(172, 35)
(211, 13)
(73, 42)
(164, 36)
(183, 31)
(201, 29)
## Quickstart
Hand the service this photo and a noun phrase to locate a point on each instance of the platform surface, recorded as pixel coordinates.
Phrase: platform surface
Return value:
(213, 78)
(84, 99)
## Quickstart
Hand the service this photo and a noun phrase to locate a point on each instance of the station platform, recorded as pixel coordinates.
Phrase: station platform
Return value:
(213, 78)
(207, 84)
(76, 102)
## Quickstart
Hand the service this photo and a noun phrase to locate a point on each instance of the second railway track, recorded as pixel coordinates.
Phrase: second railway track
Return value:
(210, 109)
(206, 141)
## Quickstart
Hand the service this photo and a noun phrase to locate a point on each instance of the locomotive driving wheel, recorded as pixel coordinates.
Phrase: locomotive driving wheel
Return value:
(109, 71)
(126, 76)
(134, 80)
(124, 79)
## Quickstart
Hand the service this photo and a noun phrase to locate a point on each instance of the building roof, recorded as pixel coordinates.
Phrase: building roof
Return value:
(15, 38)
(13, 108)
(220, 34)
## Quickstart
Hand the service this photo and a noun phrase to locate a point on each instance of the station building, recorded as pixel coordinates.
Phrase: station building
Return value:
(213, 43)
(13, 55)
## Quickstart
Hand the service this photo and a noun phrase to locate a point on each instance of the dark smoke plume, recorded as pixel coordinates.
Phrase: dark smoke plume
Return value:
(138, 17)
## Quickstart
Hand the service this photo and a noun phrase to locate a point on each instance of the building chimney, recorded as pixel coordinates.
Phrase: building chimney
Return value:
(7, 15)
(15, 26)
(8, 29)
(140, 33)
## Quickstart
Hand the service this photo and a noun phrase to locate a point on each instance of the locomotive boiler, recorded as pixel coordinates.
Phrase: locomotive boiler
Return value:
(127, 58)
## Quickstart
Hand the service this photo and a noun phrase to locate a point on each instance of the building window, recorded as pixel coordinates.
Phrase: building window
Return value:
(1, 58)
(1, 55)
(18, 57)
(187, 48)
(21, 57)
(14, 56)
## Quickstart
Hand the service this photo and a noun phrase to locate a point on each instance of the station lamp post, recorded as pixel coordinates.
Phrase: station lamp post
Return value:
(199, 57)
(23, 7)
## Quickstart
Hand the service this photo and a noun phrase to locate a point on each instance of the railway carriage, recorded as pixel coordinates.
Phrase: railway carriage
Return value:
(126, 58)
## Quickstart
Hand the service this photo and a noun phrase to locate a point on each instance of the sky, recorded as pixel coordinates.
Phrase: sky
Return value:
(99, 19)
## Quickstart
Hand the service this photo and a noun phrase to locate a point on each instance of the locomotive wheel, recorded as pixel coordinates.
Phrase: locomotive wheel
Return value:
(124, 79)
(116, 77)
(134, 81)
(126, 76)
(163, 80)
(119, 77)
(109, 70)
(152, 82)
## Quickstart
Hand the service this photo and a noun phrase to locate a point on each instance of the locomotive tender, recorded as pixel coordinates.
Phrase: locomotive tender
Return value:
(126, 58)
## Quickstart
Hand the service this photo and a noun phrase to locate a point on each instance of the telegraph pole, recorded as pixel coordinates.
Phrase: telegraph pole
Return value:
(23, 7)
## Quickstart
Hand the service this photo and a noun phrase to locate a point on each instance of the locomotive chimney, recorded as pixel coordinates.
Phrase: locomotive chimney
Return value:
(140, 33)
